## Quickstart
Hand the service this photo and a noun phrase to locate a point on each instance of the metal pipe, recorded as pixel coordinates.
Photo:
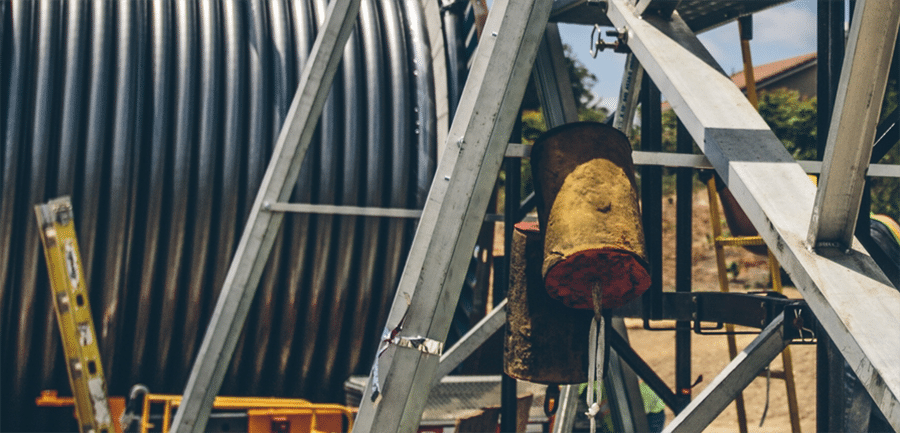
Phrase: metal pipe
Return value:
(366, 331)
(154, 172)
(651, 195)
(297, 226)
(400, 153)
(320, 287)
(683, 262)
(159, 118)
(43, 145)
(349, 228)
(206, 153)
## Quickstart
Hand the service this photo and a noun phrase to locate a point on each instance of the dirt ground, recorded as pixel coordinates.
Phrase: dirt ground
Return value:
(709, 354)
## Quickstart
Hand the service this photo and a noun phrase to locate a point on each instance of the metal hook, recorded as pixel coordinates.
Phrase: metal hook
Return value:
(594, 45)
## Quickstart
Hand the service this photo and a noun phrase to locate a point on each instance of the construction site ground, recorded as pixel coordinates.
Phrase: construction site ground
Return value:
(709, 353)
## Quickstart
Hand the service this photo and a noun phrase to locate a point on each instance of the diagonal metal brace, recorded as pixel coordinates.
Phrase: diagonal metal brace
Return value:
(847, 292)
(732, 380)
(243, 276)
(454, 211)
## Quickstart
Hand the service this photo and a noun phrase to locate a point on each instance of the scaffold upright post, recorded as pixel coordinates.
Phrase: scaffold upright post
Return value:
(407, 359)
(851, 136)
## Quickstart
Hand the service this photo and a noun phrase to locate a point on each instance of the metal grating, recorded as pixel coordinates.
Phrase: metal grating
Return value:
(458, 396)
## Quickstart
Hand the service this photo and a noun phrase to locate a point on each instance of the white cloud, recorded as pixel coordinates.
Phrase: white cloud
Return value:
(782, 32)
(787, 28)
(724, 45)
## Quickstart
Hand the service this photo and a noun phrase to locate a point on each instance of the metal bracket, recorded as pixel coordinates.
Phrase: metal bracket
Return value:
(800, 324)
(620, 45)
(744, 309)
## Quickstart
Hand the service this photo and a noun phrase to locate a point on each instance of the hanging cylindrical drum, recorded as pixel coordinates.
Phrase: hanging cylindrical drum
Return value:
(589, 214)
(545, 340)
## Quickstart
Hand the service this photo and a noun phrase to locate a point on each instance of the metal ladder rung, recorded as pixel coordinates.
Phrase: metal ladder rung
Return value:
(738, 241)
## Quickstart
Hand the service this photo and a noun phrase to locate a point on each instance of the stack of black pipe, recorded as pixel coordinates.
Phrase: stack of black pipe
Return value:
(158, 119)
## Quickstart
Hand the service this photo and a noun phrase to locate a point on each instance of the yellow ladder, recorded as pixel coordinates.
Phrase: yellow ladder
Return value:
(719, 243)
(73, 313)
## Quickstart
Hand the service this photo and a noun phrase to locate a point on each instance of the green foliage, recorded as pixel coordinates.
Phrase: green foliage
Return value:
(533, 125)
(670, 126)
(583, 80)
(792, 119)
(886, 191)
(593, 115)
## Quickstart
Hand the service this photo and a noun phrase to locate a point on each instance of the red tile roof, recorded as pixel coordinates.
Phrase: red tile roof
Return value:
(765, 72)
(769, 70)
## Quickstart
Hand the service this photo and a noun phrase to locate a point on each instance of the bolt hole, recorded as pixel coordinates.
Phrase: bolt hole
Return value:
(79, 300)
(92, 368)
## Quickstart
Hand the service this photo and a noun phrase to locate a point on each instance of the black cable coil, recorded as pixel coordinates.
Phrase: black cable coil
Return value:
(159, 119)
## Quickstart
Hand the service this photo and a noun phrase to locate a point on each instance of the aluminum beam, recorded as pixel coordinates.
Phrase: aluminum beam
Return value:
(629, 94)
(552, 80)
(732, 380)
(327, 209)
(565, 414)
(243, 276)
(847, 291)
(472, 340)
(430, 284)
(663, 7)
(700, 161)
(864, 74)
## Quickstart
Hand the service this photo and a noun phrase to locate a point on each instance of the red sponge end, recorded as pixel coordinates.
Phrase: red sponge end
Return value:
(620, 274)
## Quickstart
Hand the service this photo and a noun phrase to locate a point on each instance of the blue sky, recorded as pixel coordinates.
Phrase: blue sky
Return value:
(781, 32)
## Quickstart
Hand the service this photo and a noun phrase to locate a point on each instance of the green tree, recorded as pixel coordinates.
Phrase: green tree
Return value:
(792, 119)
(886, 191)
(582, 81)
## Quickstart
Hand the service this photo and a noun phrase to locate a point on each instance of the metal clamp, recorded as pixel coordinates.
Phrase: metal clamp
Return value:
(425, 345)
(618, 46)
(799, 324)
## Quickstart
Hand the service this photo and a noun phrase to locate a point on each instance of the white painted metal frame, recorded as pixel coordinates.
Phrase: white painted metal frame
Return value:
(732, 380)
(851, 136)
(552, 80)
(252, 252)
(847, 292)
(431, 280)
(472, 340)
(628, 94)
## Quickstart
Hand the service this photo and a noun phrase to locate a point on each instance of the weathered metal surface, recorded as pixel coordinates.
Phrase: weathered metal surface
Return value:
(447, 231)
(165, 116)
(846, 290)
(732, 380)
(851, 136)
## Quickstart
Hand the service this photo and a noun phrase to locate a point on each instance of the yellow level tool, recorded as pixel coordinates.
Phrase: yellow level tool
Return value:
(73, 313)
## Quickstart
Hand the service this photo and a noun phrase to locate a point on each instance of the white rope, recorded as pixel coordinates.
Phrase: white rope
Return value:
(596, 346)
(768, 384)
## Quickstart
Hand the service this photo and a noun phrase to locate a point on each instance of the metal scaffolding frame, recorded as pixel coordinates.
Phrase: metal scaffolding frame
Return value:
(845, 289)
(256, 242)
(842, 285)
